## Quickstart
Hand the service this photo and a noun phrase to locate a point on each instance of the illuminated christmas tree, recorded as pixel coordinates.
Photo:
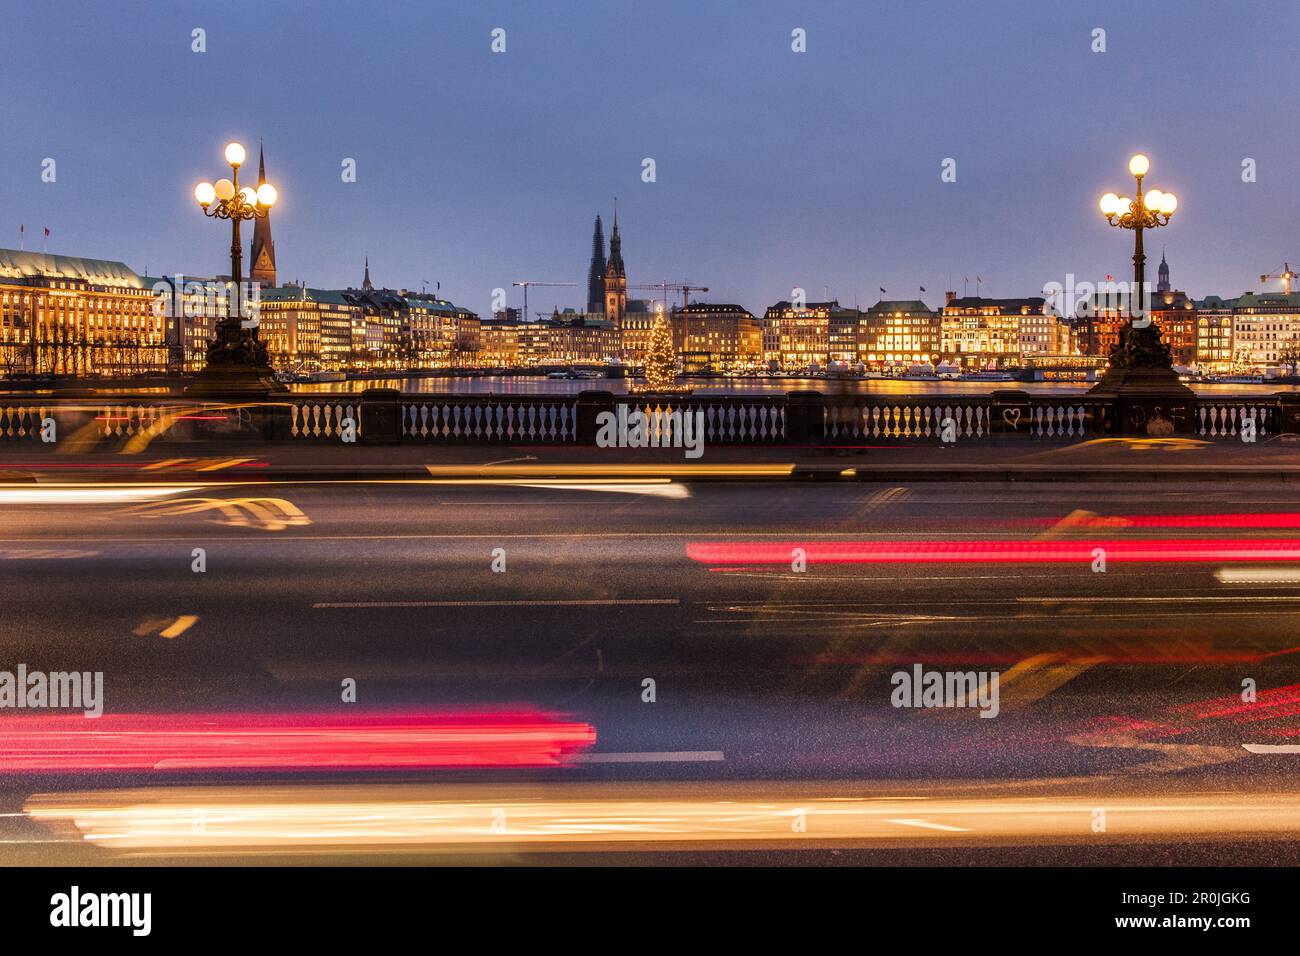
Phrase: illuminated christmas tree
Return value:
(661, 358)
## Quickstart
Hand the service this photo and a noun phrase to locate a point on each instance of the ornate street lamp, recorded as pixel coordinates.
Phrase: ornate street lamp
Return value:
(1150, 398)
(237, 360)
(1145, 212)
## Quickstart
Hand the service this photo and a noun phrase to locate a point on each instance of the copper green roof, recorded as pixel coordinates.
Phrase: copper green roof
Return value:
(18, 264)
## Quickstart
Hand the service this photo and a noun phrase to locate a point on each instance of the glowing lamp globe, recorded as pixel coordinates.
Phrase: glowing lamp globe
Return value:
(205, 194)
(1139, 165)
(235, 154)
(224, 189)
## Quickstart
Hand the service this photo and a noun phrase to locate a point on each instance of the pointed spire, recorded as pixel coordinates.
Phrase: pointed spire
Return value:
(615, 247)
(263, 251)
(365, 283)
(596, 272)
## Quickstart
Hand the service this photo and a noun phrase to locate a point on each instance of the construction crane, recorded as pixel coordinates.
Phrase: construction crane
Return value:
(684, 288)
(525, 283)
(1286, 275)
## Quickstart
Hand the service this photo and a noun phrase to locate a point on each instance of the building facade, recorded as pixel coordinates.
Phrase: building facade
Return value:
(986, 333)
(713, 337)
(63, 315)
(899, 331)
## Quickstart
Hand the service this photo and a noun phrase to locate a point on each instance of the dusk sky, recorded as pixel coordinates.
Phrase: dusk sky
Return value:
(774, 169)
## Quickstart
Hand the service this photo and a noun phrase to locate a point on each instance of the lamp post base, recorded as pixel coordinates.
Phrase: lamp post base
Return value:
(1148, 397)
(237, 366)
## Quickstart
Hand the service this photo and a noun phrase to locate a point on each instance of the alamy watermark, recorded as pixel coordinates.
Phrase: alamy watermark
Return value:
(660, 428)
(925, 689)
(197, 298)
(53, 690)
(1083, 299)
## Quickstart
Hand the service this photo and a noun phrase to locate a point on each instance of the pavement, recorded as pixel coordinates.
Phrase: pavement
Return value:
(768, 726)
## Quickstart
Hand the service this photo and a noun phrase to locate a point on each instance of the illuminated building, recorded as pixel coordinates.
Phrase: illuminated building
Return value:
(308, 329)
(1175, 315)
(795, 338)
(1266, 329)
(191, 308)
(567, 338)
(439, 334)
(899, 331)
(70, 316)
(978, 332)
(716, 338)
(290, 327)
(576, 338)
(1214, 345)
(635, 328)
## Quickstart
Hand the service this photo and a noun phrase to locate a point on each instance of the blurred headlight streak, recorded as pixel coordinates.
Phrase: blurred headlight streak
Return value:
(481, 817)
(957, 552)
(88, 494)
(122, 742)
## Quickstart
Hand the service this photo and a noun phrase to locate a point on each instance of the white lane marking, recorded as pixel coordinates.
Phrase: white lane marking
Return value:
(592, 603)
(931, 826)
(667, 756)
(1258, 575)
(1273, 748)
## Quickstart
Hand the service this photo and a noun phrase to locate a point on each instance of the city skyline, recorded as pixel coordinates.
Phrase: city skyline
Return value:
(788, 169)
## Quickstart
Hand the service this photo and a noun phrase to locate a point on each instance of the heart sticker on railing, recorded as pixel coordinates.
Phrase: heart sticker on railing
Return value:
(1012, 417)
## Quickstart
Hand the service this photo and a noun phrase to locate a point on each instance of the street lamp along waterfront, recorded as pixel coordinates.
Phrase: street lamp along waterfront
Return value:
(237, 361)
(1149, 398)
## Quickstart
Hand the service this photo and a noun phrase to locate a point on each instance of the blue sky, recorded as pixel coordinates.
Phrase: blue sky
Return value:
(774, 169)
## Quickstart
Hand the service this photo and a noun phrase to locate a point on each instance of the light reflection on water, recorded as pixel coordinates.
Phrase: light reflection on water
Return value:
(540, 385)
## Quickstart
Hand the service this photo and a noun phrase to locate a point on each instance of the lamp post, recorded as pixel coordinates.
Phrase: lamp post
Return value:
(1141, 376)
(1148, 211)
(237, 361)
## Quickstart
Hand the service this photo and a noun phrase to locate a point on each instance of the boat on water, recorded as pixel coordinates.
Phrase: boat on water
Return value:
(1236, 379)
(988, 375)
(328, 376)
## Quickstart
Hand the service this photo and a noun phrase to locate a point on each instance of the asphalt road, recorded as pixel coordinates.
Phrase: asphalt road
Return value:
(1119, 691)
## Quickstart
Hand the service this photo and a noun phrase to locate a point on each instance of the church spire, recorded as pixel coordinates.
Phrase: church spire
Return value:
(1162, 282)
(616, 247)
(596, 274)
(615, 277)
(263, 253)
(365, 283)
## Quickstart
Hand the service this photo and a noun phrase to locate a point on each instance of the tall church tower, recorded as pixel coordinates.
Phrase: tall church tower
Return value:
(615, 278)
(596, 274)
(365, 283)
(1162, 282)
(263, 257)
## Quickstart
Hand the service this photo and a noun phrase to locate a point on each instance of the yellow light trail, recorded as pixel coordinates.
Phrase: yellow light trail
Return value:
(612, 470)
(475, 817)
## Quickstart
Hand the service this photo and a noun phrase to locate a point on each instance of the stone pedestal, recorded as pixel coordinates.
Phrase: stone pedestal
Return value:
(1149, 402)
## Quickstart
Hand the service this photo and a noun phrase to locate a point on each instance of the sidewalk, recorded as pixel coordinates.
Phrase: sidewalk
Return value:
(997, 459)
